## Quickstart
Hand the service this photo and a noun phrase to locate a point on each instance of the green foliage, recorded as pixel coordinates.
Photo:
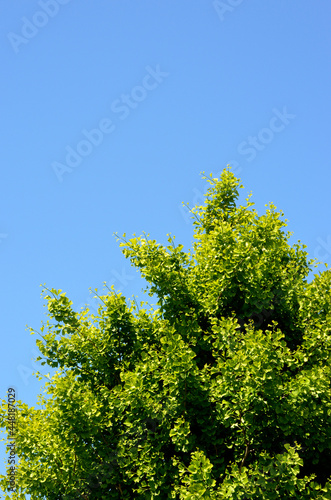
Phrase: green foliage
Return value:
(221, 392)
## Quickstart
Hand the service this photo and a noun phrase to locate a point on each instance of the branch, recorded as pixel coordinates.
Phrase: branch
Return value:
(243, 460)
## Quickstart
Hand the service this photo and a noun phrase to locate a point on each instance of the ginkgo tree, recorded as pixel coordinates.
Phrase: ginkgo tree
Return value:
(220, 391)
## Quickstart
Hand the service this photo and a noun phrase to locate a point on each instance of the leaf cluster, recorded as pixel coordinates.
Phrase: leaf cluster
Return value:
(220, 391)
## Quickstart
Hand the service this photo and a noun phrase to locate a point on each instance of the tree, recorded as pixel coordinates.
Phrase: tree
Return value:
(221, 391)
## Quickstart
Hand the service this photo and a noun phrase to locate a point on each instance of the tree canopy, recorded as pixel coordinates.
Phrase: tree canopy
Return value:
(220, 391)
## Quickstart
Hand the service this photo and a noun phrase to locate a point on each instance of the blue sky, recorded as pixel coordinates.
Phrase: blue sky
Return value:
(110, 111)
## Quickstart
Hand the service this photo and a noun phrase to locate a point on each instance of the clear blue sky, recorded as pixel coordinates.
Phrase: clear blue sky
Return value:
(110, 111)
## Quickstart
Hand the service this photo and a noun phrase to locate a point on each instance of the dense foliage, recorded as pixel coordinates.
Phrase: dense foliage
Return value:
(221, 392)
